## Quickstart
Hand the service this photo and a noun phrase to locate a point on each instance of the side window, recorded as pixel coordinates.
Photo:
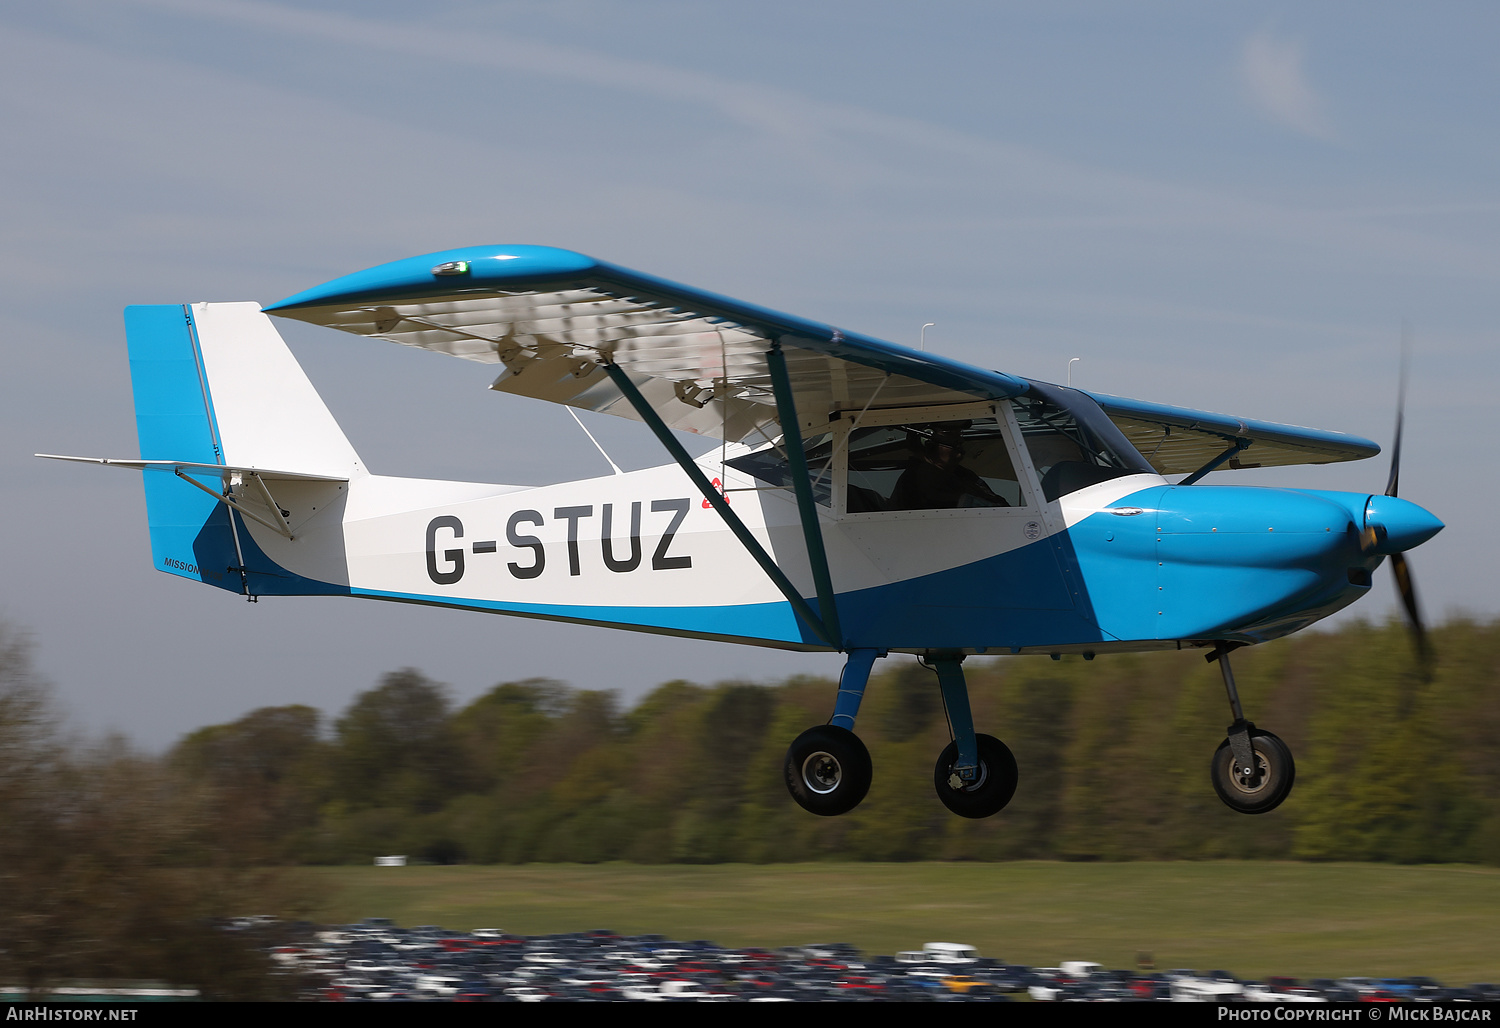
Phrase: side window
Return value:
(771, 466)
(939, 465)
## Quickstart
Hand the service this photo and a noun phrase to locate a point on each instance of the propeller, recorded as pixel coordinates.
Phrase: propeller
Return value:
(1393, 528)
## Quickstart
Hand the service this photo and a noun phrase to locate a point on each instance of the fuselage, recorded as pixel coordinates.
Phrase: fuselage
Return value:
(1130, 563)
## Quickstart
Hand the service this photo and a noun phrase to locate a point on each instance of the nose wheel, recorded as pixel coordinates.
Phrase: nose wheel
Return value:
(1252, 770)
(1257, 787)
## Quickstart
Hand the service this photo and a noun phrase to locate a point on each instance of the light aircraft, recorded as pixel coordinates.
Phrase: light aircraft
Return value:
(865, 498)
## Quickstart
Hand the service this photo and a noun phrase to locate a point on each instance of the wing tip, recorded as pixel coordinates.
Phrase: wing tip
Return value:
(456, 270)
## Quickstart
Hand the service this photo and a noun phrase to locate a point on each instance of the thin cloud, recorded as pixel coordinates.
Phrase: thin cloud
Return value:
(827, 137)
(828, 140)
(1271, 71)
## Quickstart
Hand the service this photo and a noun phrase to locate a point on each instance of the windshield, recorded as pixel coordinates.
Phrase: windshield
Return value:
(1072, 442)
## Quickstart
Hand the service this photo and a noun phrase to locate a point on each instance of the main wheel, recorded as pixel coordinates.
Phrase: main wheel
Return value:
(1257, 790)
(990, 791)
(828, 770)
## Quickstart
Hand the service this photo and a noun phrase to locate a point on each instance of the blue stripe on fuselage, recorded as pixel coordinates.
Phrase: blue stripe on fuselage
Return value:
(1014, 599)
(755, 623)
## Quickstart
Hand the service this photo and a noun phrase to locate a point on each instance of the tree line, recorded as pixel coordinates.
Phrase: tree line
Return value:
(115, 866)
(1394, 763)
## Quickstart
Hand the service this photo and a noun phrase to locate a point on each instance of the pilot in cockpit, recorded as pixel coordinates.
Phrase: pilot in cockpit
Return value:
(936, 478)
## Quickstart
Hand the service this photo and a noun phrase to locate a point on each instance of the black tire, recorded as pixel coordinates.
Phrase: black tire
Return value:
(1263, 791)
(990, 792)
(828, 770)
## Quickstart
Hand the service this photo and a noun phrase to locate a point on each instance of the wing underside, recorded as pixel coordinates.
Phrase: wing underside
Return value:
(553, 319)
(1180, 440)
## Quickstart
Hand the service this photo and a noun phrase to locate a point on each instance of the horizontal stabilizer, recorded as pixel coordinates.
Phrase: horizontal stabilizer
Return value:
(247, 490)
(173, 465)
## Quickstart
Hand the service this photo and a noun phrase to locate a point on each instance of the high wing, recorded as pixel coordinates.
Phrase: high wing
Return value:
(554, 319)
(550, 317)
(1179, 440)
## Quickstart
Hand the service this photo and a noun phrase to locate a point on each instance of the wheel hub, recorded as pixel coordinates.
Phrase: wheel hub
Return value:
(1248, 779)
(1256, 779)
(821, 772)
(980, 774)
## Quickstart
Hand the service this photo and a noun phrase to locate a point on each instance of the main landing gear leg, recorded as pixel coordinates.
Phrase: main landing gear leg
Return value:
(976, 775)
(827, 768)
(1252, 770)
(852, 684)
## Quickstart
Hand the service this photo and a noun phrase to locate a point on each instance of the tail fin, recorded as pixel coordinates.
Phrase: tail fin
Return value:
(215, 385)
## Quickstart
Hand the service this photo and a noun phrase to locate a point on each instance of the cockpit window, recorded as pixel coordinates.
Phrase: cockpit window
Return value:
(954, 464)
(941, 465)
(1072, 442)
(931, 466)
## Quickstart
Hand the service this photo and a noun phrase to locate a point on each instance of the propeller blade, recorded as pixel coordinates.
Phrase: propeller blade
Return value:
(1408, 590)
(1395, 478)
(1404, 584)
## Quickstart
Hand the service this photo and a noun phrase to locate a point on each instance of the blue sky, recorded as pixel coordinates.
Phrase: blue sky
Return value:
(1231, 205)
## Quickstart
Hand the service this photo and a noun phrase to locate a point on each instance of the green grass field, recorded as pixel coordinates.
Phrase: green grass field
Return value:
(1253, 919)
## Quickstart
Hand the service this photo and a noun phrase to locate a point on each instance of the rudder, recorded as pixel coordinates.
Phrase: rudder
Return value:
(215, 384)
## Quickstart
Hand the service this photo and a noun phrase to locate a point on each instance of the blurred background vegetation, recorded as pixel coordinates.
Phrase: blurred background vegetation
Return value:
(1392, 765)
(115, 866)
(120, 864)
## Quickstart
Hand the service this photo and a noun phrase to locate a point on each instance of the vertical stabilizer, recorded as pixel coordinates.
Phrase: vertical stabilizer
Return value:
(215, 384)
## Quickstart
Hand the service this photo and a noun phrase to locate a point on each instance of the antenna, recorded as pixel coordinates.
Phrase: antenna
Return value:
(923, 345)
(595, 442)
(1072, 362)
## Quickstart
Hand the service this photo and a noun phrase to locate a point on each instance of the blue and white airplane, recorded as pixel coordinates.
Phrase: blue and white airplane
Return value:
(866, 498)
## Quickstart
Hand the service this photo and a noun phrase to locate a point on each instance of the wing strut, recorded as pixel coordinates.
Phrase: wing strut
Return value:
(812, 533)
(715, 498)
(1235, 447)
